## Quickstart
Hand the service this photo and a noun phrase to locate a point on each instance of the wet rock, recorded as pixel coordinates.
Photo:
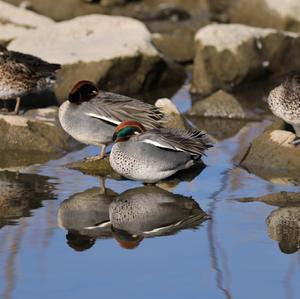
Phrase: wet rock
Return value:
(218, 128)
(221, 104)
(34, 137)
(284, 227)
(15, 22)
(95, 167)
(272, 151)
(281, 199)
(229, 54)
(115, 52)
(174, 119)
(284, 15)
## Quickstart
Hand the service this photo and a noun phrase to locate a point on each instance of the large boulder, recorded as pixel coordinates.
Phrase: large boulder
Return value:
(115, 52)
(176, 21)
(221, 104)
(229, 54)
(15, 22)
(284, 15)
(272, 154)
(34, 137)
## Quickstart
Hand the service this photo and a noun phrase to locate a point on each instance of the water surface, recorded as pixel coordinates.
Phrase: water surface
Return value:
(45, 254)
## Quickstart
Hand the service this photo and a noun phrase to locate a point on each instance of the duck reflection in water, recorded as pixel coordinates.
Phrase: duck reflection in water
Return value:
(85, 216)
(284, 227)
(150, 211)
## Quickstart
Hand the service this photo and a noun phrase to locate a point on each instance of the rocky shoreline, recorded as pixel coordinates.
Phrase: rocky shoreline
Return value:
(140, 46)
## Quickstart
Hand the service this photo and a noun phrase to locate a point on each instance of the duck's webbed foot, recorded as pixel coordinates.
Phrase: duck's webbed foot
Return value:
(101, 155)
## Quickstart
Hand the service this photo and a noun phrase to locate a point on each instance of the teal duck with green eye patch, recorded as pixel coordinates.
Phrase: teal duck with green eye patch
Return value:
(152, 155)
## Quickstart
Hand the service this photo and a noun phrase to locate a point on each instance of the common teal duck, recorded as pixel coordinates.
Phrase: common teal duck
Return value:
(90, 115)
(85, 216)
(156, 154)
(150, 211)
(284, 102)
(22, 74)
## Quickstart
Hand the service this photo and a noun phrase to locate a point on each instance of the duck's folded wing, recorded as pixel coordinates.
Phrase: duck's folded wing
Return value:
(115, 108)
(192, 142)
(33, 64)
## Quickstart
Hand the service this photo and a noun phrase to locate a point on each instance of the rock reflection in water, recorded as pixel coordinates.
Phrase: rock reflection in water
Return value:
(85, 216)
(20, 193)
(150, 211)
(284, 227)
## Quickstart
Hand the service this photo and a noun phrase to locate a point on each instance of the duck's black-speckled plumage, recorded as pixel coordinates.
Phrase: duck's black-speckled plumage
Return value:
(21, 74)
(284, 100)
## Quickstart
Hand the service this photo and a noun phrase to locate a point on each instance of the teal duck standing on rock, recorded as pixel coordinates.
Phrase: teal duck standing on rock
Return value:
(90, 115)
(284, 101)
(156, 154)
(22, 74)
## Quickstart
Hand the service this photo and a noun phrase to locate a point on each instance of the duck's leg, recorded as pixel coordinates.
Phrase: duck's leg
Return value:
(102, 151)
(102, 184)
(296, 141)
(98, 157)
(17, 107)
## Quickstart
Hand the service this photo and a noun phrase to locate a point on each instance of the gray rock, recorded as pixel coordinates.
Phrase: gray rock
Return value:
(32, 138)
(95, 167)
(229, 54)
(283, 15)
(218, 128)
(15, 22)
(115, 52)
(222, 105)
(272, 151)
(174, 119)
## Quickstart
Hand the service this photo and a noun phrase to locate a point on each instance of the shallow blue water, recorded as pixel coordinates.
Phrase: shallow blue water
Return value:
(229, 256)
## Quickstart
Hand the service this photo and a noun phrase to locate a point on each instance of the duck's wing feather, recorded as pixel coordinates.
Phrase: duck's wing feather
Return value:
(193, 142)
(33, 64)
(115, 108)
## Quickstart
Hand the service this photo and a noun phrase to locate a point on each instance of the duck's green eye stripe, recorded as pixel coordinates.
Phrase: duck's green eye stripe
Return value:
(125, 132)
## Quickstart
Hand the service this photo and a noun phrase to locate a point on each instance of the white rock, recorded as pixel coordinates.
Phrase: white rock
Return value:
(228, 54)
(88, 38)
(90, 47)
(17, 21)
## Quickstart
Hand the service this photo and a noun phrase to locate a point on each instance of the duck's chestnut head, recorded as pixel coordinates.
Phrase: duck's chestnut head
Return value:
(127, 129)
(83, 91)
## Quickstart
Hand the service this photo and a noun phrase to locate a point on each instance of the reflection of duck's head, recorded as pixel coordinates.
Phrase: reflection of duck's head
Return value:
(284, 227)
(126, 240)
(287, 247)
(152, 211)
(85, 209)
(79, 242)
